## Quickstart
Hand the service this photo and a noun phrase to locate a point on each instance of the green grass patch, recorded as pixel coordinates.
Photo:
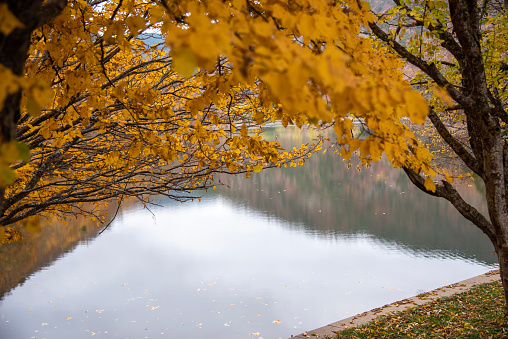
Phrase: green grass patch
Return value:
(476, 313)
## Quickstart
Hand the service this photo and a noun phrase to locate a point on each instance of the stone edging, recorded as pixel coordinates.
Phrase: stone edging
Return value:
(363, 318)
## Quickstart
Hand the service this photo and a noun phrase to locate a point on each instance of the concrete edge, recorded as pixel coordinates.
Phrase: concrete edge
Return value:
(330, 330)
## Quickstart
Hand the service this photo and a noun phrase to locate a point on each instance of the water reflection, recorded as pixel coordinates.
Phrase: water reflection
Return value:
(276, 255)
(21, 259)
(326, 197)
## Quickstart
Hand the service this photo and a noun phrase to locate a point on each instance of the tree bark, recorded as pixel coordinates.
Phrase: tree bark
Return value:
(502, 257)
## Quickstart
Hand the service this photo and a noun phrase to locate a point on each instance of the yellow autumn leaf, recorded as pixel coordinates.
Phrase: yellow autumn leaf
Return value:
(238, 4)
(258, 117)
(365, 148)
(346, 154)
(365, 6)
(339, 130)
(265, 29)
(113, 28)
(423, 153)
(135, 24)
(276, 82)
(306, 24)
(257, 168)
(354, 144)
(184, 61)
(375, 151)
(285, 121)
(448, 177)
(429, 184)
(416, 105)
(243, 130)
(442, 94)
(8, 21)
(39, 96)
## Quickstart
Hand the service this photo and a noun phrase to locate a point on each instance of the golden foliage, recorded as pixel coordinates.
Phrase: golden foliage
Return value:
(109, 111)
(105, 116)
(9, 234)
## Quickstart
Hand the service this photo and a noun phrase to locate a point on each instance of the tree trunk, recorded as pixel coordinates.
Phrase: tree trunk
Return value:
(502, 255)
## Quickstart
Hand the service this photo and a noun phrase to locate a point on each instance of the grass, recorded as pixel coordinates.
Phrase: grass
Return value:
(476, 313)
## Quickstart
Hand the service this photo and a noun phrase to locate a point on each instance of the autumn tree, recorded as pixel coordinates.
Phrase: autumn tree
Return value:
(100, 114)
(458, 51)
(105, 113)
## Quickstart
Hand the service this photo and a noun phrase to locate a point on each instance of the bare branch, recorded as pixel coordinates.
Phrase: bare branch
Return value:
(457, 147)
(429, 68)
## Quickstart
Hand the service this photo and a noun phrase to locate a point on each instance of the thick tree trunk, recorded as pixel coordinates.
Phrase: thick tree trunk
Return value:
(502, 255)
(493, 147)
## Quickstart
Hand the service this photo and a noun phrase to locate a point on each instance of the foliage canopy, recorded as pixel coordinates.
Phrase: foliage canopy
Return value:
(108, 112)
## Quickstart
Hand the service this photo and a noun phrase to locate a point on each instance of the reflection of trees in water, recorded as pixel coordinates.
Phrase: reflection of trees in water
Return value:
(326, 197)
(38, 250)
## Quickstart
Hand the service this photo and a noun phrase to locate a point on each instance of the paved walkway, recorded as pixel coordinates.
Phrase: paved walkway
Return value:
(329, 331)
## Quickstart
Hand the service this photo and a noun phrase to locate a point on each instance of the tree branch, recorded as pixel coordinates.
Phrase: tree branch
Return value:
(457, 147)
(428, 68)
(447, 191)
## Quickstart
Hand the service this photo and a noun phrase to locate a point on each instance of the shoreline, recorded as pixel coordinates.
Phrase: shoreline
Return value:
(398, 306)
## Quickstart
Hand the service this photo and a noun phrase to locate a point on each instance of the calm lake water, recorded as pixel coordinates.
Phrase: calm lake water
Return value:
(275, 255)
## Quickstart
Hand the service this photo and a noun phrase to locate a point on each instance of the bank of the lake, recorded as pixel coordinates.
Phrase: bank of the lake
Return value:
(448, 312)
(476, 313)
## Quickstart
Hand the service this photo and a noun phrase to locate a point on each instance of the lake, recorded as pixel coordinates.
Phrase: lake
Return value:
(280, 253)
